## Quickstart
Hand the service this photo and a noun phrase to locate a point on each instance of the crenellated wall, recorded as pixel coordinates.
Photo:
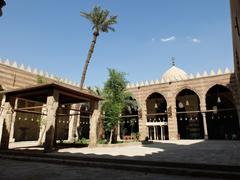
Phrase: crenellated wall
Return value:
(13, 75)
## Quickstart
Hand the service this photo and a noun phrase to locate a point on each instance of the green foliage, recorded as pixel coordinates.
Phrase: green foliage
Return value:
(41, 79)
(114, 98)
(102, 141)
(82, 141)
(100, 19)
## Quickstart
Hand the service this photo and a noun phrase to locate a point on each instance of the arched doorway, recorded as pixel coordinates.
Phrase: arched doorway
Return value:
(157, 118)
(189, 117)
(222, 119)
(129, 120)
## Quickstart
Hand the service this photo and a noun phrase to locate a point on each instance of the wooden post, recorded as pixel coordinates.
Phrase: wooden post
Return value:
(93, 123)
(52, 106)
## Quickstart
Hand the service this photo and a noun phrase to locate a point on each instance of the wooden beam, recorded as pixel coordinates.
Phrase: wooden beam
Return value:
(30, 112)
(156, 114)
(28, 100)
(26, 108)
(78, 97)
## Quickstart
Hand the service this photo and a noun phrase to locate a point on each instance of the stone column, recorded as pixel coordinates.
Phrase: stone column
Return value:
(73, 120)
(162, 127)
(172, 120)
(5, 123)
(42, 125)
(154, 133)
(142, 122)
(52, 106)
(13, 121)
(203, 111)
(119, 131)
(93, 124)
(205, 126)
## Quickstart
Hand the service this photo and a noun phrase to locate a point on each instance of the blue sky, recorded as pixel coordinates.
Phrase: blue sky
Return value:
(52, 36)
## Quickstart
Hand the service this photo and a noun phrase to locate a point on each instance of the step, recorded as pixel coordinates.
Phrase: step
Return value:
(174, 170)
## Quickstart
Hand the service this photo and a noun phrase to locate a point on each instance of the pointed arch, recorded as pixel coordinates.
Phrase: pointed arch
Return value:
(189, 117)
(157, 117)
(222, 118)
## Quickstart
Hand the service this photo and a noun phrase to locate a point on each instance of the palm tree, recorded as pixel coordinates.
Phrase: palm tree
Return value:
(101, 22)
(2, 3)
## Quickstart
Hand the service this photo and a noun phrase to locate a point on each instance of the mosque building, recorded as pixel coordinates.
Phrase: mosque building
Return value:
(183, 106)
(177, 106)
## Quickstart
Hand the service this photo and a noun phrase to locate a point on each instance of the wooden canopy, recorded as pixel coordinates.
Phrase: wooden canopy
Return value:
(40, 93)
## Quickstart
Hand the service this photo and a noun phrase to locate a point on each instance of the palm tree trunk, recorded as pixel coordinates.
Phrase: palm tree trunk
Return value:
(90, 52)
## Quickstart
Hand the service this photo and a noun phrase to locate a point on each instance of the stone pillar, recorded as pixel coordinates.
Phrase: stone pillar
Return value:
(119, 131)
(5, 123)
(172, 120)
(154, 133)
(162, 129)
(52, 106)
(42, 125)
(73, 120)
(142, 122)
(13, 121)
(205, 126)
(203, 111)
(93, 124)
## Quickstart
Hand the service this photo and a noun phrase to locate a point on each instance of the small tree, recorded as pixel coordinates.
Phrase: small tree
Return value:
(114, 99)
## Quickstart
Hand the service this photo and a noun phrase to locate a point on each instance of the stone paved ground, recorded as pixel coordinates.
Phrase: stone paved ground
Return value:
(20, 170)
(188, 151)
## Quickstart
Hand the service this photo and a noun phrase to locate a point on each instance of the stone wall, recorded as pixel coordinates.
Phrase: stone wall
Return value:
(200, 85)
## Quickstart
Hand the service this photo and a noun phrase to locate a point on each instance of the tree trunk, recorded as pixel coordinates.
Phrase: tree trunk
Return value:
(90, 52)
(111, 135)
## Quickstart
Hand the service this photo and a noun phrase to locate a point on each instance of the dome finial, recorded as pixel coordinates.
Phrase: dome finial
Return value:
(173, 61)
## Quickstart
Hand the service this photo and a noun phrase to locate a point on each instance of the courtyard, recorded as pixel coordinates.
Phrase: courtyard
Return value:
(183, 125)
(179, 151)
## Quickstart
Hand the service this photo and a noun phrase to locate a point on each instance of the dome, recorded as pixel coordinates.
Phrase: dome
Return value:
(174, 74)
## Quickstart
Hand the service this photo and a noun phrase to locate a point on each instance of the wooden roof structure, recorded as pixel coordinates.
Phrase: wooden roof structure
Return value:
(40, 93)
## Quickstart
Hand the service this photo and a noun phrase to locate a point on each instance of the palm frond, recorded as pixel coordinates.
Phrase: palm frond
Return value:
(100, 19)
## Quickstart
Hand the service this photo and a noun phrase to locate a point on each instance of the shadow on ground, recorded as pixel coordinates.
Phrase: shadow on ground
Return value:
(183, 151)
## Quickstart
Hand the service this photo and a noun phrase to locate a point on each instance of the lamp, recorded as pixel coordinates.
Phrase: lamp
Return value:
(187, 103)
(218, 97)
